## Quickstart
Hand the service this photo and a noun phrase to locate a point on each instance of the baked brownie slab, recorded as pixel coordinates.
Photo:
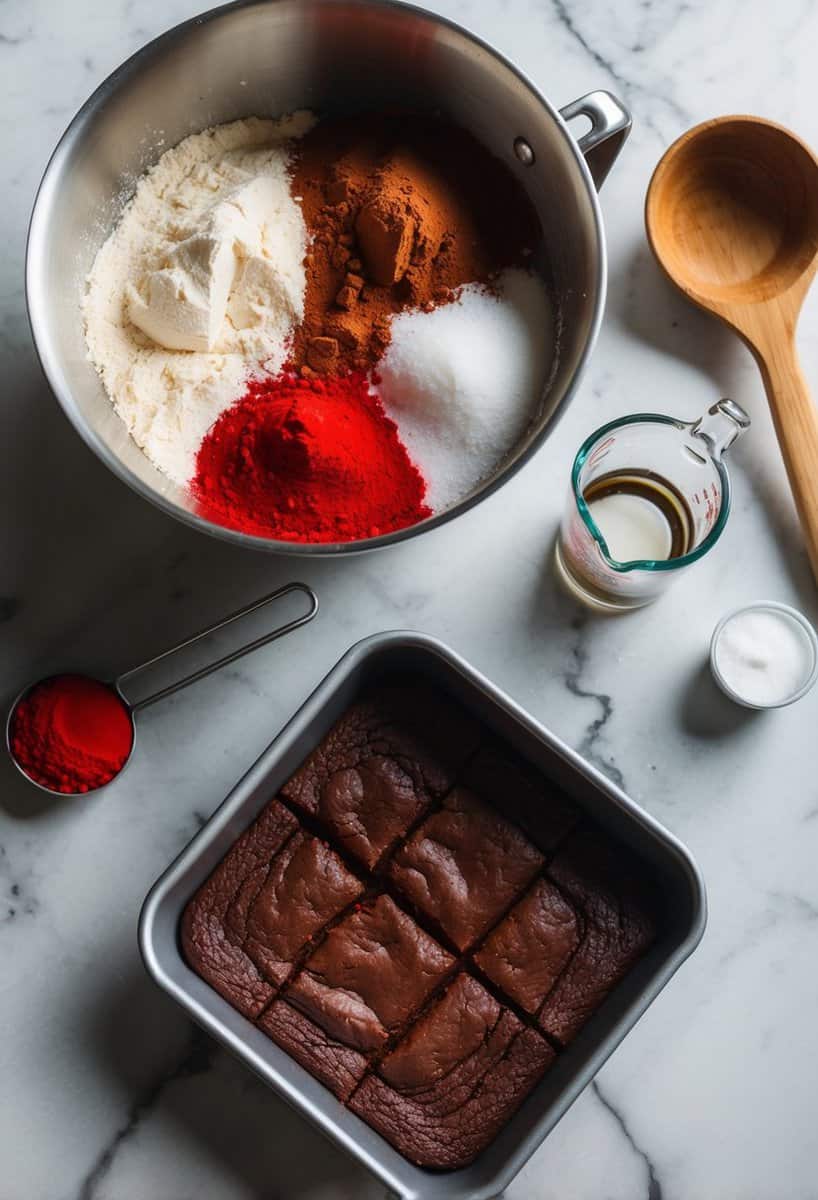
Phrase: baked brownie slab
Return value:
(209, 946)
(455, 1079)
(619, 917)
(306, 886)
(380, 766)
(464, 865)
(371, 972)
(519, 793)
(334, 971)
(528, 950)
(333, 1063)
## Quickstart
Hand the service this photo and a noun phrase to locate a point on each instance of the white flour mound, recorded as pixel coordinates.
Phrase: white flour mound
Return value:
(168, 398)
(462, 382)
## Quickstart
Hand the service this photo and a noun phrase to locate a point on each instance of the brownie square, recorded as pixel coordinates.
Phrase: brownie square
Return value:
(619, 911)
(305, 886)
(335, 1064)
(380, 766)
(521, 794)
(210, 947)
(454, 1080)
(528, 950)
(372, 971)
(464, 866)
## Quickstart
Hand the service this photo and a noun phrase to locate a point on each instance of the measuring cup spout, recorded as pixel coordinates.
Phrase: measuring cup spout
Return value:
(720, 426)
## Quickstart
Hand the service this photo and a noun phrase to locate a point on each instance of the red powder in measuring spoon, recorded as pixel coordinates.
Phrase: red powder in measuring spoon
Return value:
(71, 733)
(308, 461)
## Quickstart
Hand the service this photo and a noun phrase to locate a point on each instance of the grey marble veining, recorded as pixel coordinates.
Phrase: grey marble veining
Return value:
(108, 1093)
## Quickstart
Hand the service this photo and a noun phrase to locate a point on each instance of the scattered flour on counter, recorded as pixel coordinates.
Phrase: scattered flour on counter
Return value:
(463, 381)
(208, 253)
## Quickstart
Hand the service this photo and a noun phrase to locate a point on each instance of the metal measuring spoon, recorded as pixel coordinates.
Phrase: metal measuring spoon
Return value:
(128, 676)
(732, 217)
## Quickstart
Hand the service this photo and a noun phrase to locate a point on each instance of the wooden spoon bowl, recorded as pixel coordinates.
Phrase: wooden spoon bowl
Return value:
(732, 217)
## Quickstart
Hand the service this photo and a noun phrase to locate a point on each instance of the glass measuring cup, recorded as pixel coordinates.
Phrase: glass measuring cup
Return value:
(131, 708)
(679, 464)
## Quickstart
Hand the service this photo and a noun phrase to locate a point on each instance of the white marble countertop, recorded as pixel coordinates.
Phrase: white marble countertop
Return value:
(107, 1092)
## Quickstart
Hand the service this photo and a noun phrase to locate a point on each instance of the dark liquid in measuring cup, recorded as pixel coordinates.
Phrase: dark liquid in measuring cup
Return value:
(656, 524)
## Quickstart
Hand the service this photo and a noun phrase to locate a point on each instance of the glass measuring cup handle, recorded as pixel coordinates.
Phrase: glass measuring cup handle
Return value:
(279, 631)
(720, 426)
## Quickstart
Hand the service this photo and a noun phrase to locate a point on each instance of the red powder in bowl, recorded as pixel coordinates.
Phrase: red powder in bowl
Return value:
(71, 733)
(304, 460)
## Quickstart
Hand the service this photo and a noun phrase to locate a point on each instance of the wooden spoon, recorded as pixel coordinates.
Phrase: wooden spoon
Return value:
(732, 217)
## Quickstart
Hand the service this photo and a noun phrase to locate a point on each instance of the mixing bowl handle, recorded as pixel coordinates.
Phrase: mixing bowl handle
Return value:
(270, 636)
(610, 125)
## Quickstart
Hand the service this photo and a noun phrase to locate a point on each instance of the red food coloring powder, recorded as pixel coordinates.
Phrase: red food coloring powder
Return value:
(71, 733)
(308, 461)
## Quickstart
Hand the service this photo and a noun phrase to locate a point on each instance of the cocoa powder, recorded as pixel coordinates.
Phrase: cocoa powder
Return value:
(402, 209)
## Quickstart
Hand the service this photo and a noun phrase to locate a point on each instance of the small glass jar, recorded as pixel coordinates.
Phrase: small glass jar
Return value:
(810, 648)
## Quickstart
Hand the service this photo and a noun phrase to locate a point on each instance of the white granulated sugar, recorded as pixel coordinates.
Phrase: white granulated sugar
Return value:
(462, 382)
(208, 254)
(764, 655)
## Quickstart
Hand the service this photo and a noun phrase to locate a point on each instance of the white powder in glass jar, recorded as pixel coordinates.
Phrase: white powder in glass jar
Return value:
(763, 655)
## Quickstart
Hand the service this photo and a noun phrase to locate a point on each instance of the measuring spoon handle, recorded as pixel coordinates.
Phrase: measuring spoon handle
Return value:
(796, 425)
(247, 648)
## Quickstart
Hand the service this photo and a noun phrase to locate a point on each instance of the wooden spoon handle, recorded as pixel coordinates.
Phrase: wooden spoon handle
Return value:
(796, 425)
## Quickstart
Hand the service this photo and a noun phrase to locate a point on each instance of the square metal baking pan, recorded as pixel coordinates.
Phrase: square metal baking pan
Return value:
(664, 858)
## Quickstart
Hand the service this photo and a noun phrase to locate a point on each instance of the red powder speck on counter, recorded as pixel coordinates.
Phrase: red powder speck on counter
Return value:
(305, 460)
(71, 733)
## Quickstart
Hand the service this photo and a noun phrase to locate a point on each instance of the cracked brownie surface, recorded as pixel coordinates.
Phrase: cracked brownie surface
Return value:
(451, 1084)
(619, 923)
(333, 1062)
(372, 971)
(523, 796)
(381, 765)
(526, 953)
(210, 946)
(464, 866)
(306, 886)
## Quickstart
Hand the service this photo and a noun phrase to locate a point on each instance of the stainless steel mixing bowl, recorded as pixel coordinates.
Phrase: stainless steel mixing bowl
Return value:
(269, 58)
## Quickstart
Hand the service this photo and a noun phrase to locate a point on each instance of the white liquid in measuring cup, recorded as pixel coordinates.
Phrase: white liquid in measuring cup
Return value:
(641, 515)
(632, 526)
